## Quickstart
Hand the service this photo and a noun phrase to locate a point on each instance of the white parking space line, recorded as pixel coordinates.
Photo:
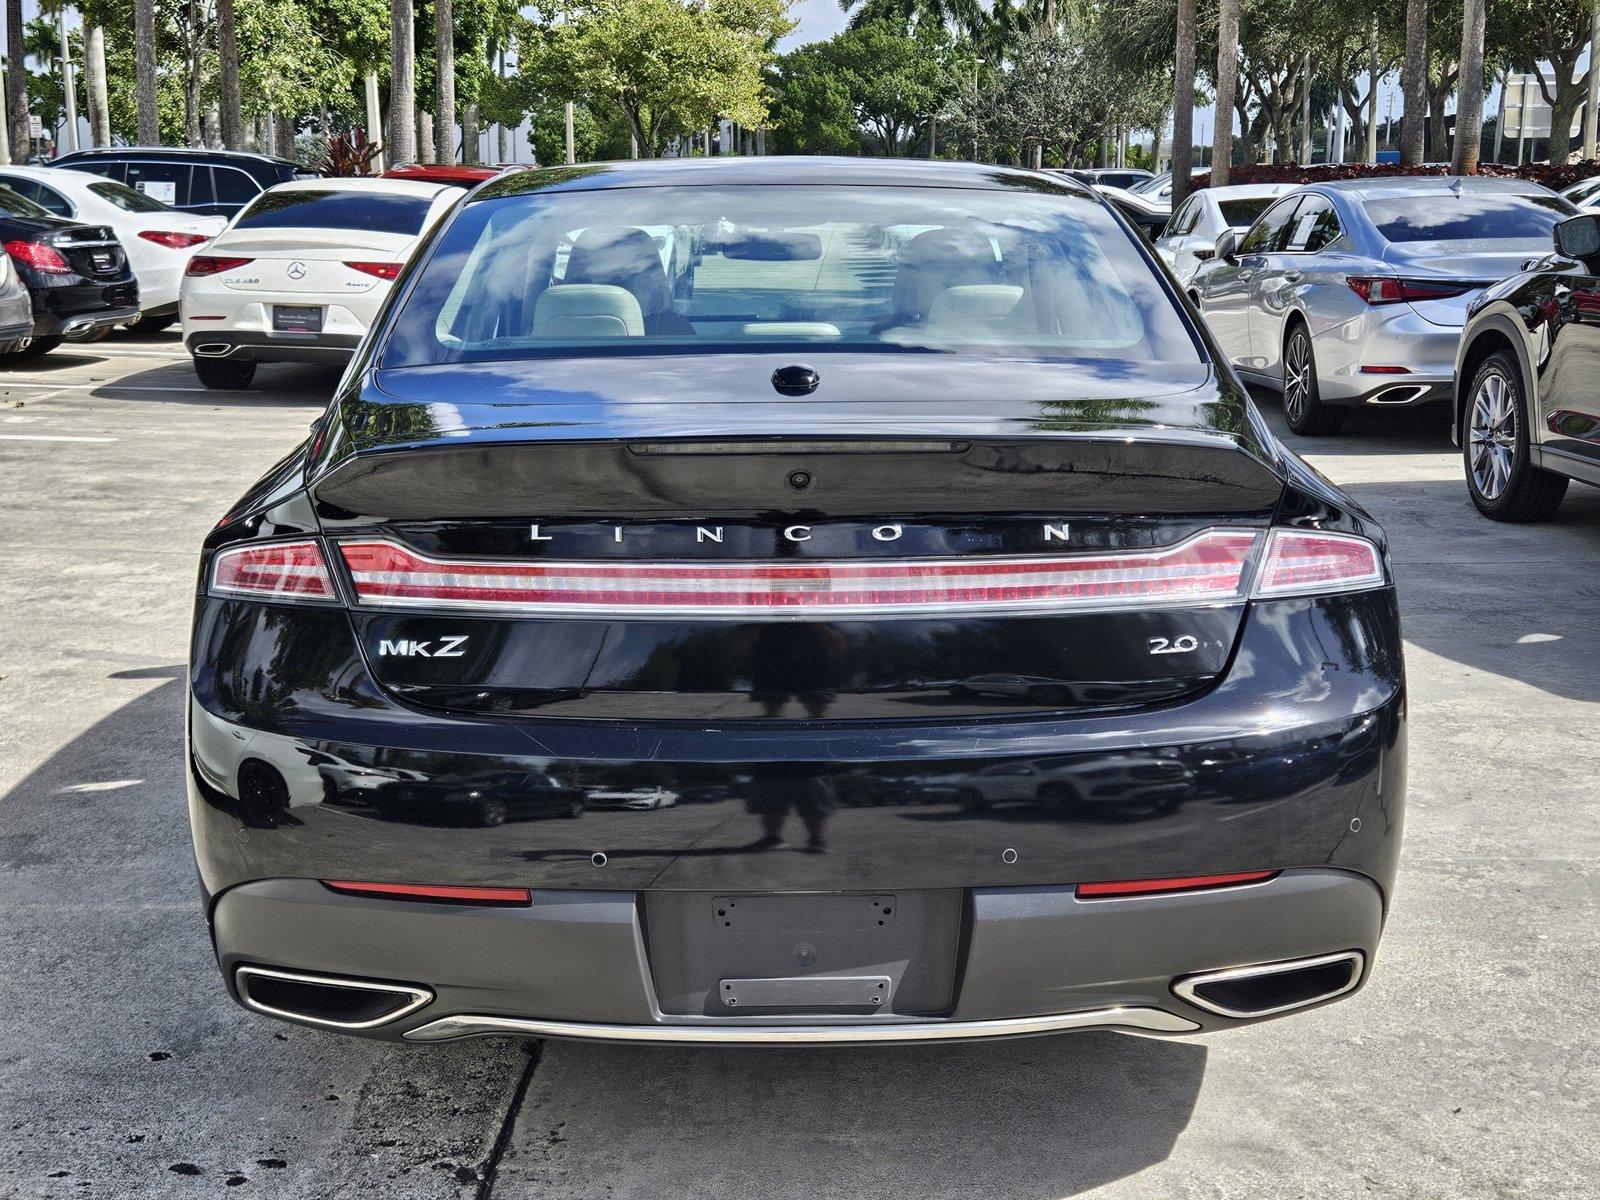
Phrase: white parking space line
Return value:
(50, 437)
(100, 387)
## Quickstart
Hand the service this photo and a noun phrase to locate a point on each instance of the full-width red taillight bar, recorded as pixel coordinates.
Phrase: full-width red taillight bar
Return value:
(1180, 883)
(422, 891)
(1208, 567)
(1211, 567)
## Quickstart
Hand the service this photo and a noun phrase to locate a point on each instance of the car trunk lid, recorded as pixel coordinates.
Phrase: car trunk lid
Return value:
(556, 541)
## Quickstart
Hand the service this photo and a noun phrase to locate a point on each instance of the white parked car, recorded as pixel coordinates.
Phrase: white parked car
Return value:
(1585, 194)
(300, 273)
(157, 238)
(1191, 235)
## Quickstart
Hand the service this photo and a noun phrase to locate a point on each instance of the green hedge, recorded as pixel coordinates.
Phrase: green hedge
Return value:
(1554, 177)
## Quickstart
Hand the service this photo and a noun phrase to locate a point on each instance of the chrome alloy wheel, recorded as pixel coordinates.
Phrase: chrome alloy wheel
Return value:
(1492, 436)
(1296, 376)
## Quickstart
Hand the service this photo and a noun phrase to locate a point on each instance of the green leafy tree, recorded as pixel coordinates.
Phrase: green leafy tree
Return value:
(670, 66)
(812, 110)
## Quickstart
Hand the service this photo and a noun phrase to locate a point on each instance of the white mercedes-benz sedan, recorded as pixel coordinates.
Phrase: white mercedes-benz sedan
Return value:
(301, 272)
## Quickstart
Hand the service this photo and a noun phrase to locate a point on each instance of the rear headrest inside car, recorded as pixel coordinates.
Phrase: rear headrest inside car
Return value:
(974, 309)
(587, 310)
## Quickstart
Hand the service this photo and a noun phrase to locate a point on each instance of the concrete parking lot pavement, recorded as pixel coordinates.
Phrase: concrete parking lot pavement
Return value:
(1468, 1068)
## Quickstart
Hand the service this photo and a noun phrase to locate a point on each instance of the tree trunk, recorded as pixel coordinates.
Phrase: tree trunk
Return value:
(1561, 114)
(1438, 143)
(444, 108)
(1469, 99)
(1227, 86)
(228, 77)
(16, 81)
(425, 136)
(5, 127)
(193, 132)
(1414, 82)
(402, 83)
(1373, 74)
(469, 134)
(1183, 103)
(94, 78)
(144, 72)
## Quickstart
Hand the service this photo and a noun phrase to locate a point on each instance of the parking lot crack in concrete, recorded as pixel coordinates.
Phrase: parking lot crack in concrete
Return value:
(508, 1123)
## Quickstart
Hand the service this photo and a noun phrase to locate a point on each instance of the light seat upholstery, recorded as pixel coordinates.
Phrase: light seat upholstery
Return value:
(587, 310)
(974, 310)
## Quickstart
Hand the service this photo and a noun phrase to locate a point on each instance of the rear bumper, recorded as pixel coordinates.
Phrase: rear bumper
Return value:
(1386, 336)
(578, 963)
(332, 348)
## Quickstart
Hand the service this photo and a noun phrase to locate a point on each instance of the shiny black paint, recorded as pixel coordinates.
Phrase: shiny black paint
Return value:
(1548, 318)
(57, 297)
(1303, 736)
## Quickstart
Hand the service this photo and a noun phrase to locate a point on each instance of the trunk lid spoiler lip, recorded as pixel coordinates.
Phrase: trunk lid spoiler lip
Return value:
(377, 418)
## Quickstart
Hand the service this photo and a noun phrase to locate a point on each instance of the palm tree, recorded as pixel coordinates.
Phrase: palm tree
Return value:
(1469, 100)
(1227, 88)
(1414, 82)
(444, 47)
(144, 72)
(16, 80)
(403, 82)
(1183, 103)
(228, 77)
(94, 79)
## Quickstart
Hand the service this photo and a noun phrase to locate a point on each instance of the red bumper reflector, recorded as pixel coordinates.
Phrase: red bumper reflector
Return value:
(1385, 370)
(418, 891)
(1185, 883)
(1208, 567)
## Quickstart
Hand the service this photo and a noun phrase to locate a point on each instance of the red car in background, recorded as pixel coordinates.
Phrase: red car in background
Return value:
(460, 174)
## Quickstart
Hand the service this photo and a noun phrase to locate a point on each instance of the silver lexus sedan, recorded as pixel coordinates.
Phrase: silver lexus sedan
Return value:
(1355, 291)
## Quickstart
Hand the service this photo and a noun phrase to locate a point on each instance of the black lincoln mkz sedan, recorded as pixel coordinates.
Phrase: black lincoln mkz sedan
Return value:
(669, 514)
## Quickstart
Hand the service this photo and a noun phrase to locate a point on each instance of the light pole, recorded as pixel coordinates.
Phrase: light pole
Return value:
(66, 79)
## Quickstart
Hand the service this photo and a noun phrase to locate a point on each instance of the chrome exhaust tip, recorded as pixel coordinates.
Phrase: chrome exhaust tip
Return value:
(324, 1000)
(214, 349)
(1270, 988)
(1405, 394)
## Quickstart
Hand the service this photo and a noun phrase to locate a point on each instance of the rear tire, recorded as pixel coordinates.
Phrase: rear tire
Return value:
(39, 345)
(1302, 395)
(1501, 477)
(224, 373)
(154, 324)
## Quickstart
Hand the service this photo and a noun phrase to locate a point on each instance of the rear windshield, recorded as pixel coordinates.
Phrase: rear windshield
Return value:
(741, 268)
(374, 212)
(126, 198)
(1444, 217)
(1241, 214)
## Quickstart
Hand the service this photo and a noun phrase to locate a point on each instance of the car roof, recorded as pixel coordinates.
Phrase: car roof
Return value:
(1394, 186)
(177, 152)
(769, 170)
(394, 187)
(1250, 191)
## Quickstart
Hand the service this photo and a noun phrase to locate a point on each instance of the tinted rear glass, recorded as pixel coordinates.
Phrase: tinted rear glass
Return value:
(373, 212)
(1443, 217)
(1241, 214)
(126, 198)
(744, 268)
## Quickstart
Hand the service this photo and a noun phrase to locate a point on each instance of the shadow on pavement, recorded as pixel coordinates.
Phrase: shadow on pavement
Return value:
(281, 385)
